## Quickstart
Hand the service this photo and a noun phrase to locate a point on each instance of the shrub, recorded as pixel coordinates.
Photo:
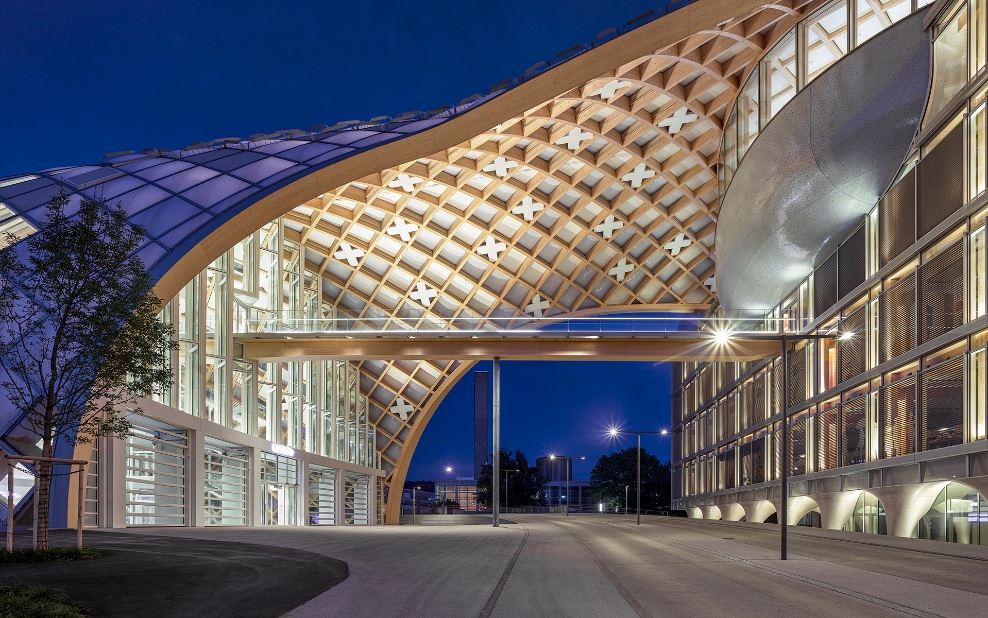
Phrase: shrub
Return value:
(35, 602)
(52, 554)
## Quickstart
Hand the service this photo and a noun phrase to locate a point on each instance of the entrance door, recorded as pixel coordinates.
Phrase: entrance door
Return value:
(279, 504)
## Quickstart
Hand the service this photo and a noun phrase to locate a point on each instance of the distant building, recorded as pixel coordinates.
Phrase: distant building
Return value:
(480, 419)
(555, 468)
(461, 491)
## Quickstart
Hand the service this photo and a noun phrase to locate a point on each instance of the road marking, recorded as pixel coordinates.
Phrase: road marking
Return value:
(492, 600)
(905, 609)
(611, 577)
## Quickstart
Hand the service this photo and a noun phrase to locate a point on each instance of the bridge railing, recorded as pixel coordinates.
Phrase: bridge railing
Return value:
(427, 323)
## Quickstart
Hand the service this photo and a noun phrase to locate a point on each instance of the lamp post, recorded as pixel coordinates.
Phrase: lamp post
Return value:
(506, 487)
(722, 337)
(455, 488)
(625, 499)
(614, 431)
(569, 470)
(414, 503)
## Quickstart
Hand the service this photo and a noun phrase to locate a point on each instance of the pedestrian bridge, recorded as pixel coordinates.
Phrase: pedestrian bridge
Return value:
(680, 338)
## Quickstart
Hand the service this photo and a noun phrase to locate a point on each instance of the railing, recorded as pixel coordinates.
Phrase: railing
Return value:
(426, 324)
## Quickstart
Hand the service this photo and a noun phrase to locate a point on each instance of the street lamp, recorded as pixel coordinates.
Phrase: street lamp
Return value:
(613, 432)
(625, 499)
(569, 461)
(785, 339)
(414, 502)
(506, 487)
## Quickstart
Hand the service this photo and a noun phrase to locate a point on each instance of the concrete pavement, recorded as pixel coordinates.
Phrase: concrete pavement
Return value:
(586, 565)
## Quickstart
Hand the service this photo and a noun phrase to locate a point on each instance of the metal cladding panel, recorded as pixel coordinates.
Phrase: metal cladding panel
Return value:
(819, 166)
(940, 181)
(941, 293)
(897, 219)
(825, 286)
(897, 326)
(851, 263)
(941, 405)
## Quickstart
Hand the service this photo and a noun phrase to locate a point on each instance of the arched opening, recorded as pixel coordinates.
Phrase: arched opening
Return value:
(958, 515)
(772, 519)
(811, 520)
(868, 515)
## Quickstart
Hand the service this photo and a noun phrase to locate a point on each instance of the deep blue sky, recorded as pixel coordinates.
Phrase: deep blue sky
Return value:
(82, 79)
(564, 407)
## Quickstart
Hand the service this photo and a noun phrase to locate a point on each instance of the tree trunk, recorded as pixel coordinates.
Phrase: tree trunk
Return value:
(44, 494)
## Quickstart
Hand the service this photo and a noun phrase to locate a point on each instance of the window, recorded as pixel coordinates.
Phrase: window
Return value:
(780, 68)
(979, 150)
(949, 60)
(873, 16)
(748, 115)
(977, 381)
(730, 159)
(826, 39)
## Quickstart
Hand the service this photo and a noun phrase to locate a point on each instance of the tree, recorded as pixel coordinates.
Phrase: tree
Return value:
(525, 487)
(79, 334)
(615, 471)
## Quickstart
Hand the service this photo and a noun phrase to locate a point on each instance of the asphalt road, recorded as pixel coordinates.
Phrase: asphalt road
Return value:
(550, 565)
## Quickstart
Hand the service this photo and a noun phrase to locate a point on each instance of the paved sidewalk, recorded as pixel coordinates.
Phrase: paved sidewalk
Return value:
(550, 565)
(545, 565)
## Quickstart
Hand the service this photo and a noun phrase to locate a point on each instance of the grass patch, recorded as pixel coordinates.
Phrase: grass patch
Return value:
(35, 602)
(52, 554)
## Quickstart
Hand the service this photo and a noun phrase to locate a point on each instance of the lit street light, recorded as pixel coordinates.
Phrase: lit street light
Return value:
(613, 432)
(414, 503)
(569, 460)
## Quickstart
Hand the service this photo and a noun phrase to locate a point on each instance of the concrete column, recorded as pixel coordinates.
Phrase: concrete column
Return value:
(731, 512)
(340, 475)
(302, 493)
(758, 511)
(116, 468)
(254, 502)
(836, 508)
(905, 504)
(195, 481)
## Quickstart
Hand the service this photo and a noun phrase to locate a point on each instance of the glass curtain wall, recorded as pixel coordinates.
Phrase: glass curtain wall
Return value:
(263, 284)
(824, 37)
(958, 515)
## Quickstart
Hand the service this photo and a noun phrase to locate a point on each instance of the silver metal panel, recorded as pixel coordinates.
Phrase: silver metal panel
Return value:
(819, 166)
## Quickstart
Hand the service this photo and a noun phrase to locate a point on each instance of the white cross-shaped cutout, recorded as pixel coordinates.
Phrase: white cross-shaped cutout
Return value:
(573, 139)
(527, 208)
(607, 90)
(621, 270)
(402, 409)
(537, 306)
(608, 226)
(500, 166)
(711, 282)
(637, 175)
(404, 182)
(402, 229)
(675, 122)
(345, 252)
(677, 244)
(423, 293)
(491, 248)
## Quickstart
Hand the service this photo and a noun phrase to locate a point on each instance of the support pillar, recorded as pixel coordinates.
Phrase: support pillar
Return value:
(784, 506)
(496, 458)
